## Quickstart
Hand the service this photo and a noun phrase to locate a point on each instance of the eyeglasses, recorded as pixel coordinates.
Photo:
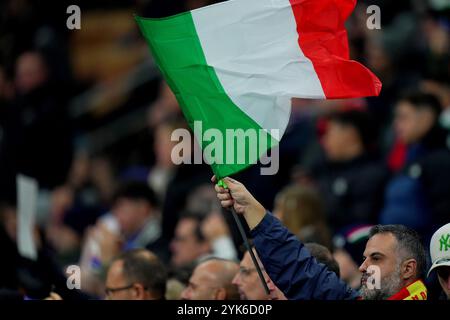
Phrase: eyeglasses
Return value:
(110, 291)
(247, 271)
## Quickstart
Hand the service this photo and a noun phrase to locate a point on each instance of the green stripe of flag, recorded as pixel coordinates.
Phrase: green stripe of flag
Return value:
(178, 53)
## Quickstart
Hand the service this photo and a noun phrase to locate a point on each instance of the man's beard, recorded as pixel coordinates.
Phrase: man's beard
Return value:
(389, 285)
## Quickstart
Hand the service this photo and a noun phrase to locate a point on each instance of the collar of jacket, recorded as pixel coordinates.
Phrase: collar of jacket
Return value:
(415, 291)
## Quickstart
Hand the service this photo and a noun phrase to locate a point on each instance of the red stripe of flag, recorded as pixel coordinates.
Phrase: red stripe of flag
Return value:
(323, 39)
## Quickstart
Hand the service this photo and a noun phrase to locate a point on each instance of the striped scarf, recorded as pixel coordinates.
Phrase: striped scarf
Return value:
(415, 291)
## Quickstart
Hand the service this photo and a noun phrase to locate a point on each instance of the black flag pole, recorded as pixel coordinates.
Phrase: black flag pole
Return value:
(249, 249)
(222, 184)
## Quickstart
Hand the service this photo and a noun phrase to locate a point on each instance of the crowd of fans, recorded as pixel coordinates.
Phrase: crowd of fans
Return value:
(361, 182)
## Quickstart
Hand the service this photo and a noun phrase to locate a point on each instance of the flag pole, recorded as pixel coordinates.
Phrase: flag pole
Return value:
(247, 245)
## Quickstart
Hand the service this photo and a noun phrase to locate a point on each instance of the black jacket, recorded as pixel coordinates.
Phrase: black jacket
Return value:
(352, 190)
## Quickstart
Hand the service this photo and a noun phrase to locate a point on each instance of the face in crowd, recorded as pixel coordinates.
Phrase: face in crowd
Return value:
(136, 274)
(118, 286)
(412, 122)
(188, 243)
(211, 280)
(396, 266)
(249, 283)
(131, 214)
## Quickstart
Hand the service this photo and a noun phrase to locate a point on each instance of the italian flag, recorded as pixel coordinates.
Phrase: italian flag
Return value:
(237, 64)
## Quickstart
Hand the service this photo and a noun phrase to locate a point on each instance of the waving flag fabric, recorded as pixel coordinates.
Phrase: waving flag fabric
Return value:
(237, 64)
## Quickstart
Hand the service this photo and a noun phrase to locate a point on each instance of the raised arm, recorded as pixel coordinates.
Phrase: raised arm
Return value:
(288, 263)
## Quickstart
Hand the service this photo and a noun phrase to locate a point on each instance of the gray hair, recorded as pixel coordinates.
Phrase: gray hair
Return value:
(409, 244)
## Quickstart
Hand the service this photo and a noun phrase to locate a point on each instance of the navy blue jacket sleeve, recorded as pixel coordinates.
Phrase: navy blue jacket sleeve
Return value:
(292, 268)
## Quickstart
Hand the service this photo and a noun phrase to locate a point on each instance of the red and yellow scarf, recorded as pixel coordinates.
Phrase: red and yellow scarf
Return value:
(415, 291)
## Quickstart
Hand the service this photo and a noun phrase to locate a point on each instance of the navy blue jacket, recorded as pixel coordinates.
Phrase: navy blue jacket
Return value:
(418, 196)
(292, 268)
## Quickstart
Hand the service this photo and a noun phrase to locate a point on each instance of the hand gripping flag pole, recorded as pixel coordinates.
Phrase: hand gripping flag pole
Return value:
(222, 184)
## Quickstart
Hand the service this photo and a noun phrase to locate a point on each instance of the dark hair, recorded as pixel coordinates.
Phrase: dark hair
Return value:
(421, 100)
(361, 121)
(198, 218)
(142, 266)
(182, 273)
(408, 241)
(323, 255)
(136, 191)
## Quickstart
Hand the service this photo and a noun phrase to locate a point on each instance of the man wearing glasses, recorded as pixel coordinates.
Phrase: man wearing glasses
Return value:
(136, 275)
(249, 284)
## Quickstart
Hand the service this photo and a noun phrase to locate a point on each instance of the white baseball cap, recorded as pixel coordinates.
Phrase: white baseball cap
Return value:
(440, 248)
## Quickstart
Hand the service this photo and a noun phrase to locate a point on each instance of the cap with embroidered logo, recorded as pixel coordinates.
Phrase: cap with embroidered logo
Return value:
(440, 247)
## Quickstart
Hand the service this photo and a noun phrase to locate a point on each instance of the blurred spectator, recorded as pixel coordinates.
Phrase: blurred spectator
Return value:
(77, 205)
(32, 278)
(136, 210)
(133, 223)
(220, 232)
(189, 243)
(90, 187)
(211, 280)
(31, 72)
(441, 89)
(216, 231)
(440, 258)
(101, 176)
(45, 142)
(198, 236)
(435, 28)
(163, 170)
(202, 199)
(9, 131)
(415, 197)
(186, 178)
(351, 180)
(62, 237)
(300, 209)
(249, 284)
(136, 275)
(323, 255)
